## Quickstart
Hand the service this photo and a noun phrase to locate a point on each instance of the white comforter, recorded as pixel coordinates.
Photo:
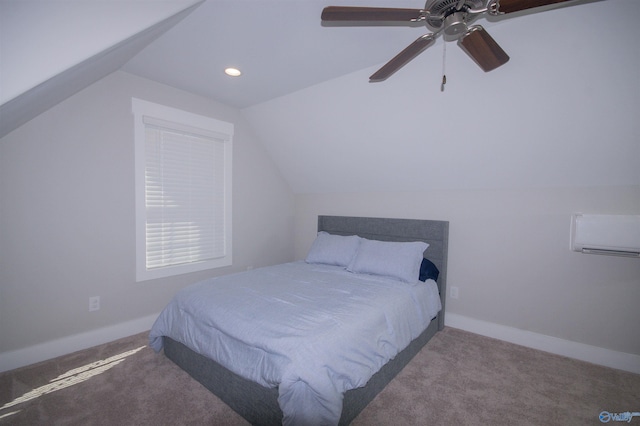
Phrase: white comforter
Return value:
(315, 331)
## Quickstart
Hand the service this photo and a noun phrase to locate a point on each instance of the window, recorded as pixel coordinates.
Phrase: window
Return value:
(183, 191)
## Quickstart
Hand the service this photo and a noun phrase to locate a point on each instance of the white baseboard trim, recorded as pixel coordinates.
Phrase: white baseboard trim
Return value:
(580, 351)
(66, 345)
(593, 354)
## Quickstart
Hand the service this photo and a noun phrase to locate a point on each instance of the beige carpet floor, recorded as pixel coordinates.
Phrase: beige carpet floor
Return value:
(459, 378)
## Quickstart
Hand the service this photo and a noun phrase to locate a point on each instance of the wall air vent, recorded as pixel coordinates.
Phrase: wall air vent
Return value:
(616, 235)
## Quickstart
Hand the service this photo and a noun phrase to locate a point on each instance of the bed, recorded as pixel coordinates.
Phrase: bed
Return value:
(260, 400)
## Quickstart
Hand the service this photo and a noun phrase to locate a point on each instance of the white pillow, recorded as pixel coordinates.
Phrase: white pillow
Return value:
(333, 249)
(390, 259)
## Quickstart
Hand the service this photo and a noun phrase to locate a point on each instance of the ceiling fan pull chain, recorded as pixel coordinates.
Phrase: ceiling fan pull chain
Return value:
(444, 59)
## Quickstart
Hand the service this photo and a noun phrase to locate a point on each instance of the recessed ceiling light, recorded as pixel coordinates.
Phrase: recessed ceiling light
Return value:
(233, 72)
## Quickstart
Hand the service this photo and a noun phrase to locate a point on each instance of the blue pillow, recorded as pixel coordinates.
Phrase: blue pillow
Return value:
(397, 260)
(333, 249)
(428, 270)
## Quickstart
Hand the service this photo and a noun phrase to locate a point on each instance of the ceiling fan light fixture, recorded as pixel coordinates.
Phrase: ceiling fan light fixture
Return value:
(232, 72)
(455, 25)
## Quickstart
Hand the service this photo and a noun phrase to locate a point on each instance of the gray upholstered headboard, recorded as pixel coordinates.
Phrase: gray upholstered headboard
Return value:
(433, 232)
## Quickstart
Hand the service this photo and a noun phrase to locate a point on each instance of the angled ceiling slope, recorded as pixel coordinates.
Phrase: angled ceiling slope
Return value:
(44, 95)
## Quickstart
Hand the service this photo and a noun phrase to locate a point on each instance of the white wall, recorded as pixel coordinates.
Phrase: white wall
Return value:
(561, 113)
(67, 215)
(505, 156)
(509, 256)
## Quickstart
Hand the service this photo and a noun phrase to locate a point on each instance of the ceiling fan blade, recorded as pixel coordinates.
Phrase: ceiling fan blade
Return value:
(509, 6)
(348, 13)
(402, 58)
(483, 49)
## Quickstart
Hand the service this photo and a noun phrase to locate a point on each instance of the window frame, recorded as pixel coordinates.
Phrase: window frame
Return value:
(149, 111)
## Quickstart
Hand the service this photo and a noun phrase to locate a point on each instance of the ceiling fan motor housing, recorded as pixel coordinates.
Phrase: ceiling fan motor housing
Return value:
(455, 24)
(445, 13)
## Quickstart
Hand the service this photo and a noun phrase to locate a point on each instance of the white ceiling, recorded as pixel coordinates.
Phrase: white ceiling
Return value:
(280, 45)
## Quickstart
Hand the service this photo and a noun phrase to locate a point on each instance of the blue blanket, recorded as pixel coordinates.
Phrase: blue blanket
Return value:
(314, 331)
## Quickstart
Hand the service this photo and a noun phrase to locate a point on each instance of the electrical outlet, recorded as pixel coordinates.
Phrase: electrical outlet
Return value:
(94, 303)
(453, 292)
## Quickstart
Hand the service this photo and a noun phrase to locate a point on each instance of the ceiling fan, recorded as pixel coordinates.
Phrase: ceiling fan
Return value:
(450, 17)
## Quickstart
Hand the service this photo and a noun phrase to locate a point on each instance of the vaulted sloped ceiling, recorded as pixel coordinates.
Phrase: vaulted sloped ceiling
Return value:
(51, 50)
(562, 112)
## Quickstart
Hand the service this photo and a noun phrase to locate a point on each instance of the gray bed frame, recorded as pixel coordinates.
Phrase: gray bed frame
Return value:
(258, 404)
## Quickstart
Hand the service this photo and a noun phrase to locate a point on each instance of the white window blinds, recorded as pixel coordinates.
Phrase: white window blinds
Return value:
(185, 197)
(184, 193)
